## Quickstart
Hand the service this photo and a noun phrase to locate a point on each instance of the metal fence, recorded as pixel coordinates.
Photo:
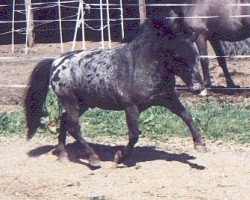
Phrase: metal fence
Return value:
(104, 21)
(73, 20)
(70, 20)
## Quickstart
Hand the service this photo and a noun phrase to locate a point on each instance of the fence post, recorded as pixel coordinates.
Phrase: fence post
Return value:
(142, 10)
(13, 28)
(102, 26)
(60, 24)
(30, 37)
(108, 24)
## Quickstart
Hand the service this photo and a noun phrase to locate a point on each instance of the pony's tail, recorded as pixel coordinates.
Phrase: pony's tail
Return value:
(36, 95)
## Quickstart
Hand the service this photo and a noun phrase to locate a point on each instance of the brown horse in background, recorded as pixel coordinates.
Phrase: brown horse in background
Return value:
(215, 21)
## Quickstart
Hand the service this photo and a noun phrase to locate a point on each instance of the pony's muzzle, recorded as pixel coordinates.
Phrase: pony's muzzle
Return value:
(203, 93)
(198, 88)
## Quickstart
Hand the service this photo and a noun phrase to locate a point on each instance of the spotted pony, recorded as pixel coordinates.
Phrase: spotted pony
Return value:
(132, 78)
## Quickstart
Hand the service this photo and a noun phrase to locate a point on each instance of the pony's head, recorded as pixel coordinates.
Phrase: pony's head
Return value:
(182, 59)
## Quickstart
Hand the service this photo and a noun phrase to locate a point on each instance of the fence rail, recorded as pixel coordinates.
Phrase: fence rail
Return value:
(81, 20)
(103, 23)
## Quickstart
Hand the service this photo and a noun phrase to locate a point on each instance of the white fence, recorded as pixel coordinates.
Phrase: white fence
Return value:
(79, 17)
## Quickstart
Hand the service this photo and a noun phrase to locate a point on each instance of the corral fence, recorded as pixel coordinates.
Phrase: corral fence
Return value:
(60, 21)
(70, 22)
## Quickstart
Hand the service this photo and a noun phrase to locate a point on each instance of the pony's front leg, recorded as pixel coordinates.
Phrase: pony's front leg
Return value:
(174, 105)
(132, 116)
(72, 115)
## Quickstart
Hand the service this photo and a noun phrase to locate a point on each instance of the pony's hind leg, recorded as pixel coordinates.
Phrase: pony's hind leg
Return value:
(72, 116)
(132, 115)
(60, 148)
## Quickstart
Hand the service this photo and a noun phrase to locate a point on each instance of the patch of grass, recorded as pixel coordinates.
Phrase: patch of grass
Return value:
(97, 121)
(215, 121)
(52, 111)
(225, 121)
(12, 122)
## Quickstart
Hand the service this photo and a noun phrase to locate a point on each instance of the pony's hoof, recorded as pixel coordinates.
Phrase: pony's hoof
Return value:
(201, 148)
(63, 158)
(118, 157)
(94, 162)
(62, 155)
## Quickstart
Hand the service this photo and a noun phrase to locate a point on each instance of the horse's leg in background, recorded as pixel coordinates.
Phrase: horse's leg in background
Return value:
(222, 61)
(174, 105)
(201, 43)
(73, 113)
(132, 116)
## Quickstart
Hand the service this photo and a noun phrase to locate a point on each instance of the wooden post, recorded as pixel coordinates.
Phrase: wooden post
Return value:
(108, 24)
(142, 10)
(30, 36)
(60, 24)
(13, 27)
(122, 25)
(102, 27)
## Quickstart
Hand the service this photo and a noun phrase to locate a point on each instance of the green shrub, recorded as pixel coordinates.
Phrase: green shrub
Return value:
(52, 112)
(226, 121)
(215, 121)
(12, 122)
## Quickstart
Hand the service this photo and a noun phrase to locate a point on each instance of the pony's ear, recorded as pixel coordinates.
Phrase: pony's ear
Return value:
(172, 17)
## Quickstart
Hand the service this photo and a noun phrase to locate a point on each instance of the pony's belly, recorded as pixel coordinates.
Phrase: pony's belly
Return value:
(107, 103)
(104, 99)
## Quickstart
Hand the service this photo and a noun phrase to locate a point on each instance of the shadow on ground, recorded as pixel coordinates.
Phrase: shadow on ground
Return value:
(107, 153)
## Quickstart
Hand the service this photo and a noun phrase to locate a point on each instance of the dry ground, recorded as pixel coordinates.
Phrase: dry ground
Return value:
(171, 170)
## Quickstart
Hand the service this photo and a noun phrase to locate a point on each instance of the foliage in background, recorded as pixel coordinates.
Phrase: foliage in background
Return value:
(215, 121)
(52, 113)
(12, 122)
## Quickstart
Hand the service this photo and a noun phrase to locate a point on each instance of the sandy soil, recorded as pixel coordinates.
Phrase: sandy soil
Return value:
(172, 170)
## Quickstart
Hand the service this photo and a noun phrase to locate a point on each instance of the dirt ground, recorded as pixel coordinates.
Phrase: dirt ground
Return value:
(171, 170)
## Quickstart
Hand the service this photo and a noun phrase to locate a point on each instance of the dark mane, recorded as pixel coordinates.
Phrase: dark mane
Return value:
(161, 27)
